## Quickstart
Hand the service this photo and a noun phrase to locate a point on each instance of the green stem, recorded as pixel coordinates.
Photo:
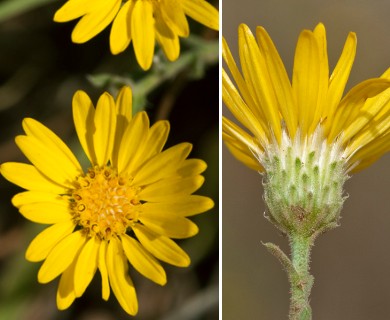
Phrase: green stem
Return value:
(301, 281)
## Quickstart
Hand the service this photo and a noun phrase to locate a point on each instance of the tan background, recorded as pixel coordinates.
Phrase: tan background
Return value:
(351, 264)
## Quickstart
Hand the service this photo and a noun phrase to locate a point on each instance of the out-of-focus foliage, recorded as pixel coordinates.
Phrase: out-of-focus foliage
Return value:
(40, 69)
(12, 8)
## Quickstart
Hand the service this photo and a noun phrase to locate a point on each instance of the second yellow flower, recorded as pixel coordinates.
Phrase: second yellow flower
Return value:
(143, 22)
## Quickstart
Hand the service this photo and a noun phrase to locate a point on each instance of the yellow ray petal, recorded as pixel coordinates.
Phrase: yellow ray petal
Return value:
(105, 123)
(320, 35)
(340, 76)
(365, 164)
(28, 177)
(44, 242)
(172, 188)
(161, 247)
(372, 107)
(86, 265)
(132, 141)
(83, 115)
(46, 212)
(157, 137)
(124, 109)
(49, 160)
(61, 256)
(280, 80)
(241, 153)
(53, 143)
(94, 22)
(376, 104)
(121, 284)
(102, 265)
(257, 78)
(373, 130)
(251, 118)
(352, 103)
(191, 167)
(29, 197)
(251, 144)
(173, 15)
(169, 224)
(168, 40)
(162, 165)
(307, 83)
(142, 32)
(185, 206)
(74, 9)
(241, 84)
(203, 12)
(143, 261)
(120, 35)
(65, 292)
(371, 152)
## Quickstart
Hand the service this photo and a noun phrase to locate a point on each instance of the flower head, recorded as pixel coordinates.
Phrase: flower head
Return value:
(126, 206)
(142, 22)
(302, 134)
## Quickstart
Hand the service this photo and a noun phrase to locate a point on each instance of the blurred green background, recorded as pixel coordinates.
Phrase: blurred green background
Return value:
(351, 264)
(40, 69)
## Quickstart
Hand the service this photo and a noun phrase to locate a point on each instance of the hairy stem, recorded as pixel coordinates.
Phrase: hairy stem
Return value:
(301, 281)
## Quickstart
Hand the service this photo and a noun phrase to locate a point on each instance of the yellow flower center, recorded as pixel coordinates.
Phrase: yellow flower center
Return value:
(104, 203)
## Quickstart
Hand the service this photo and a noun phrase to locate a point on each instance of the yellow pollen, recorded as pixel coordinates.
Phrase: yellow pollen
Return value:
(105, 204)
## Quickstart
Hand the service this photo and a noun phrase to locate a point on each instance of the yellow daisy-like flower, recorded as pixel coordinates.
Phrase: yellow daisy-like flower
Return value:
(303, 137)
(309, 109)
(126, 207)
(140, 21)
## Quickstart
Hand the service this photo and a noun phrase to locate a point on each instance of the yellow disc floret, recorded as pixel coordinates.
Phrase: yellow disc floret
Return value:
(104, 203)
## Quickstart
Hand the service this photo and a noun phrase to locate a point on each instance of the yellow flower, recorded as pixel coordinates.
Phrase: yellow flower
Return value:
(126, 207)
(308, 112)
(140, 21)
(303, 137)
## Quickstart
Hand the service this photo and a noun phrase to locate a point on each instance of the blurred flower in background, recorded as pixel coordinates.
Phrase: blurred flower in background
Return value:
(131, 187)
(39, 74)
(142, 22)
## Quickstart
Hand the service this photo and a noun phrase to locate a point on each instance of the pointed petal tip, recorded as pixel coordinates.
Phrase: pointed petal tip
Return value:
(144, 64)
(320, 26)
(28, 122)
(125, 90)
(243, 26)
(244, 30)
(79, 94)
(211, 204)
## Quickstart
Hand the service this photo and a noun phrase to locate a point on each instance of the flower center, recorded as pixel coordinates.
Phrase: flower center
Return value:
(104, 203)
